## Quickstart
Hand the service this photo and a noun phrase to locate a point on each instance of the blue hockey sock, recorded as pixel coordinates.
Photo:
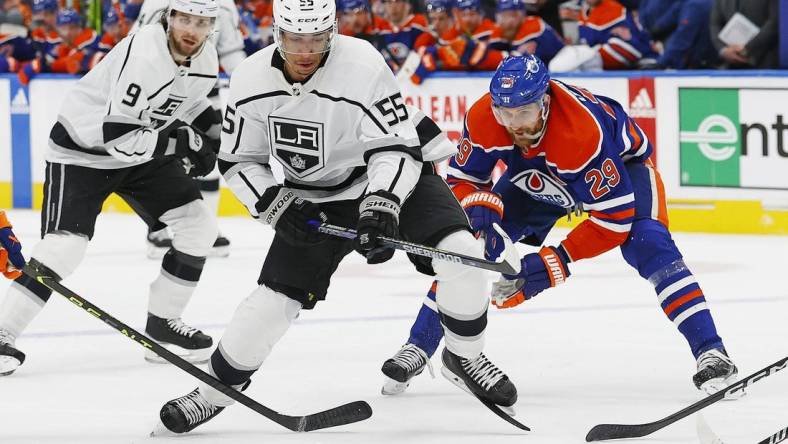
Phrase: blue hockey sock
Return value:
(427, 332)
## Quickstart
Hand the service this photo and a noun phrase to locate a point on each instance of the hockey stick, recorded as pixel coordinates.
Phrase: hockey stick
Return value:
(344, 414)
(419, 250)
(780, 436)
(602, 432)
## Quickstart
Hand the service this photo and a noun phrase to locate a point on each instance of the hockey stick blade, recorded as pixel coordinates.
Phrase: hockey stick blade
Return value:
(344, 414)
(780, 436)
(419, 250)
(603, 432)
(505, 416)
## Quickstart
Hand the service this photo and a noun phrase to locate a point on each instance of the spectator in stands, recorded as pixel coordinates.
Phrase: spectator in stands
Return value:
(14, 12)
(474, 43)
(43, 31)
(610, 37)
(357, 20)
(257, 32)
(115, 28)
(441, 18)
(77, 52)
(659, 17)
(406, 29)
(547, 10)
(689, 46)
(16, 47)
(526, 34)
(761, 51)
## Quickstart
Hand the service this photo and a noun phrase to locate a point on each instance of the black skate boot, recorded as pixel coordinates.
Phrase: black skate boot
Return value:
(185, 341)
(183, 414)
(716, 371)
(159, 242)
(10, 357)
(221, 247)
(408, 362)
(481, 378)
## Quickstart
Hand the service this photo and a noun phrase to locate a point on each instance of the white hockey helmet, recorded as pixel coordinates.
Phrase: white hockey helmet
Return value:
(202, 8)
(305, 17)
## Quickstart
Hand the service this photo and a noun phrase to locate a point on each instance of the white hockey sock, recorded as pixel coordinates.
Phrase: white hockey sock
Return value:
(461, 297)
(61, 252)
(257, 325)
(18, 309)
(169, 296)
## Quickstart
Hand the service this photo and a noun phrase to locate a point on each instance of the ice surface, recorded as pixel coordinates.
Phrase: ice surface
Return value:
(595, 350)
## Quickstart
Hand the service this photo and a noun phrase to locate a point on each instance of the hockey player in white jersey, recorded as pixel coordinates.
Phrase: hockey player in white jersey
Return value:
(229, 44)
(131, 126)
(328, 109)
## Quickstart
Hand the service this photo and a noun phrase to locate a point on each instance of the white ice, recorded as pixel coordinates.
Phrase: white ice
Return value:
(595, 350)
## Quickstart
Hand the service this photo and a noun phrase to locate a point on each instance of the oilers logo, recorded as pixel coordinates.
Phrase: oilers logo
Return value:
(543, 188)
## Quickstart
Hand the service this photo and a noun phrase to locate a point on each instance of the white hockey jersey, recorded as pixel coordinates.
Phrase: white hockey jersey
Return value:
(345, 130)
(228, 39)
(126, 102)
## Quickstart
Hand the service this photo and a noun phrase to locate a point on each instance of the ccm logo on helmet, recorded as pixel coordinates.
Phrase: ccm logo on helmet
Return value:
(307, 20)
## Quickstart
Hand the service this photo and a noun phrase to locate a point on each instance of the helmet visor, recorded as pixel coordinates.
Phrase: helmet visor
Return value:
(520, 117)
(293, 43)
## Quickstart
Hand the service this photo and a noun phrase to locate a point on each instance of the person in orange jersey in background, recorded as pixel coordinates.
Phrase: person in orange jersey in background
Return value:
(77, 52)
(474, 43)
(115, 28)
(526, 34)
(11, 259)
(406, 29)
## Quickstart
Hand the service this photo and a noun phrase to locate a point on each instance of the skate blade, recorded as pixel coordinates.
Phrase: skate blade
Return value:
(456, 380)
(8, 365)
(199, 356)
(716, 385)
(159, 430)
(392, 387)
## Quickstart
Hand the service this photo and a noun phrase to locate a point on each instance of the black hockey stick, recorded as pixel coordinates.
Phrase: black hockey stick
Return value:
(419, 250)
(344, 414)
(780, 436)
(602, 432)
(501, 414)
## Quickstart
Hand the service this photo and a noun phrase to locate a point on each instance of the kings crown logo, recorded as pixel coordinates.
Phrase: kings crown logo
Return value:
(297, 162)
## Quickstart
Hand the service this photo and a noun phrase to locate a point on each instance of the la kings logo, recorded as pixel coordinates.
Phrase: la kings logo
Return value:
(297, 144)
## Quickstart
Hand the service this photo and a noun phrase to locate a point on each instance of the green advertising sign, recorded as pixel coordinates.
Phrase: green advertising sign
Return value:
(709, 137)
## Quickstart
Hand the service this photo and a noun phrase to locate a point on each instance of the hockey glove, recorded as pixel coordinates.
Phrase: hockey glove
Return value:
(289, 215)
(378, 216)
(484, 209)
(10, 250)
(196, 149)
(540, 271)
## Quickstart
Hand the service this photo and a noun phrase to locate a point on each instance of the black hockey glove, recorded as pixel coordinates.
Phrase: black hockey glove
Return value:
(289, 215)
(197, 150)
(378, 216)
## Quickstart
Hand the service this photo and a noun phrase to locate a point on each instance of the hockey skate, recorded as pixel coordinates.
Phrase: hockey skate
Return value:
(183, 414)
(185, 341)
(408, 362)
(716, 371)
(481, 378)
(10, 357)
(221, 247)
(159, 242)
